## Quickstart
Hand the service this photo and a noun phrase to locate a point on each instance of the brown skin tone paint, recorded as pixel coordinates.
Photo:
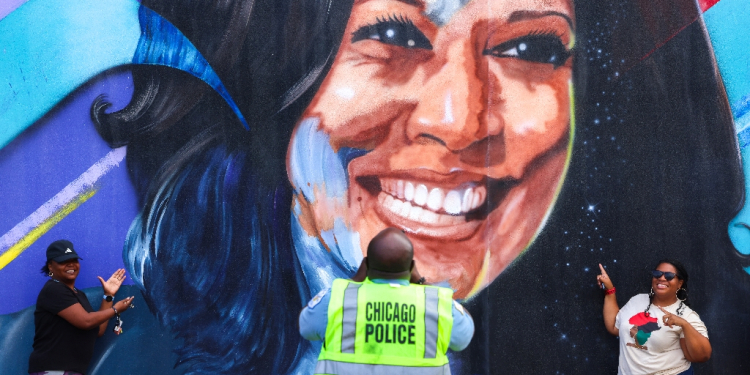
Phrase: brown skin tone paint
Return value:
(471, 117)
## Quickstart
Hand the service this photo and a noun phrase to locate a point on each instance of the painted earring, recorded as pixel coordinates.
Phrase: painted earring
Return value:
(677, 294)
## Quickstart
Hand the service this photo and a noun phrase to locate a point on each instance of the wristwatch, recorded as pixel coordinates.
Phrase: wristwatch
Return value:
(108, 298)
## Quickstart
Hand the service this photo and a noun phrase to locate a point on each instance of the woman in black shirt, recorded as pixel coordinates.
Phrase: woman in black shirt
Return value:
(65, 324)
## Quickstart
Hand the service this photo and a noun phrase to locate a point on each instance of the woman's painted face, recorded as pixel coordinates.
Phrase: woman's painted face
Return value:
(452, 124)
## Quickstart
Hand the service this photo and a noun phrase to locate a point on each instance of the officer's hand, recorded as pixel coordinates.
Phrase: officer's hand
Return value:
(361, 272)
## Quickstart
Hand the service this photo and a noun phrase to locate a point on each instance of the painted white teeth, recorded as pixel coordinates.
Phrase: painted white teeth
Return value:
(475, 202)
(408, 195)
(429, 217)
(452, 204)
(405, 209)
(420, 195)
(416, 213)
(435, 199)
(467, 199)
(409, 191)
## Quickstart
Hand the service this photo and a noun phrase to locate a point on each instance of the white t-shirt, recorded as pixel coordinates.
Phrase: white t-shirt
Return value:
(655, 349)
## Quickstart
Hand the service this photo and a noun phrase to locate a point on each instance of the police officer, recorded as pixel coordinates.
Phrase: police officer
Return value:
(382, 323)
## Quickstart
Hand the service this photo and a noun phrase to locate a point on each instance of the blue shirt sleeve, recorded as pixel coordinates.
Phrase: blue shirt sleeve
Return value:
(313, 320)
(463, 328)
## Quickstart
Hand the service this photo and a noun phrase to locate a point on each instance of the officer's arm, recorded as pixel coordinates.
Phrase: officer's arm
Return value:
(313, 319)
(463, 328)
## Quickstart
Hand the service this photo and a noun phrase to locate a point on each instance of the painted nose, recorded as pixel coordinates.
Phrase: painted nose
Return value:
(452, 103)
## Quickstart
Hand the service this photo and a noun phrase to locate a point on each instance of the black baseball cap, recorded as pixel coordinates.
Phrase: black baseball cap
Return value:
(61, 250)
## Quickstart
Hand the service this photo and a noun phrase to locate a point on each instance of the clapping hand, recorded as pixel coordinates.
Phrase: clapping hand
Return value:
(112, 285)
(603, 279)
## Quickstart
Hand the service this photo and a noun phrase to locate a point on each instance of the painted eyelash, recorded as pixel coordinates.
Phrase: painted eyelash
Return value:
(551, 33)
(396, 28)
(395, 18)
(538, 32)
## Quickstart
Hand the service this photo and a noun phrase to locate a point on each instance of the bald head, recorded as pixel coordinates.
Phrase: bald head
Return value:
(390, 251)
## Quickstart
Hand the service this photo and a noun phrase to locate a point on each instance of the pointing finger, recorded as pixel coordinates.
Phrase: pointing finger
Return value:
(602, 269)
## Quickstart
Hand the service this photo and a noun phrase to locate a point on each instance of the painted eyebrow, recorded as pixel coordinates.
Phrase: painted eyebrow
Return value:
(521, 15)
(416, 3)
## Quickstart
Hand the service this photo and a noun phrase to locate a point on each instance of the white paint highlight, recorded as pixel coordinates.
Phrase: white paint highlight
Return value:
(83, 183)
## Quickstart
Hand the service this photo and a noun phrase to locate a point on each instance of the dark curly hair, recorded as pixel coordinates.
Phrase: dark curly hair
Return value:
(45, 269)
(214, 224)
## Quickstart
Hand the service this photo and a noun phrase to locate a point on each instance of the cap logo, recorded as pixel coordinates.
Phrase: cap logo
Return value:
(68, 251)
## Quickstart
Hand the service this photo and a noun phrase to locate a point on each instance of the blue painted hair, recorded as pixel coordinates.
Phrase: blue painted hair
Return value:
(211, 248)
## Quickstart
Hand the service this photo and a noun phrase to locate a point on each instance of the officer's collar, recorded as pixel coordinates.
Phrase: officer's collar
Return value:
(389, 281)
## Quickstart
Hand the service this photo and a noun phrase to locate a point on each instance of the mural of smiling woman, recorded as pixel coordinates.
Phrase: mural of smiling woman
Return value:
(266, 142)
(453, 125)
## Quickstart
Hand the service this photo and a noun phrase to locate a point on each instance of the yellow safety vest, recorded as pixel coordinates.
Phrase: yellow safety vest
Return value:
(386, 329)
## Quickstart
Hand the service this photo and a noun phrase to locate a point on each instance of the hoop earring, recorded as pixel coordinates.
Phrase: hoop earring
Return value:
(678, 292)
(50, 274)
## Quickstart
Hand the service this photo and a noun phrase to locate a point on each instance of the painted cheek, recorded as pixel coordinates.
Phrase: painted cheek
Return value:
(535, 120)
(339, 107)
(532, 111)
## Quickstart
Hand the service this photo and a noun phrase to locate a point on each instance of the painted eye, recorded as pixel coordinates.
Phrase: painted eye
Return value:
(396, 31)
(546, 49)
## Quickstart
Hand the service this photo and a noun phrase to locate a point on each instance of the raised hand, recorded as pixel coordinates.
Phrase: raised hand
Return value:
(603, 279)
(112, 285)
(670, 319)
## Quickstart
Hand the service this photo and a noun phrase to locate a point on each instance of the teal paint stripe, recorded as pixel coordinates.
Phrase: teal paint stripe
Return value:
(727, 24)
(50, 47)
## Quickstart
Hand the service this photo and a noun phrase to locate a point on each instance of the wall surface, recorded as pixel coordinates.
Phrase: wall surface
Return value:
(235, 157)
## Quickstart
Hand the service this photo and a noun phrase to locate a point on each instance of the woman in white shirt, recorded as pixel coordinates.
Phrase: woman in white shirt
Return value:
(662, 335)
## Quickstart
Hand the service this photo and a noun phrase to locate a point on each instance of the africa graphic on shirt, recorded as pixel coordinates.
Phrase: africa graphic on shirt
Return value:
(643, 325)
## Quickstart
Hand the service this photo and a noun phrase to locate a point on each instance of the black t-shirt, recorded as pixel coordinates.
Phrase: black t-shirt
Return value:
(59, 345)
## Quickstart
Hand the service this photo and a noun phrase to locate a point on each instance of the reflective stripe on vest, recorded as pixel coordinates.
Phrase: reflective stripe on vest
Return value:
(349, 325)
(399, 327)
(431, 322)
(335, 367)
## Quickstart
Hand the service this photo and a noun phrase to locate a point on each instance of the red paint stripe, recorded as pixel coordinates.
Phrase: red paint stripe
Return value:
(659, 45)
(706, 4)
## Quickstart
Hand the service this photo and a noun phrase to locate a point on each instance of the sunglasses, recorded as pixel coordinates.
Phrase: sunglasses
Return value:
(667, 275)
